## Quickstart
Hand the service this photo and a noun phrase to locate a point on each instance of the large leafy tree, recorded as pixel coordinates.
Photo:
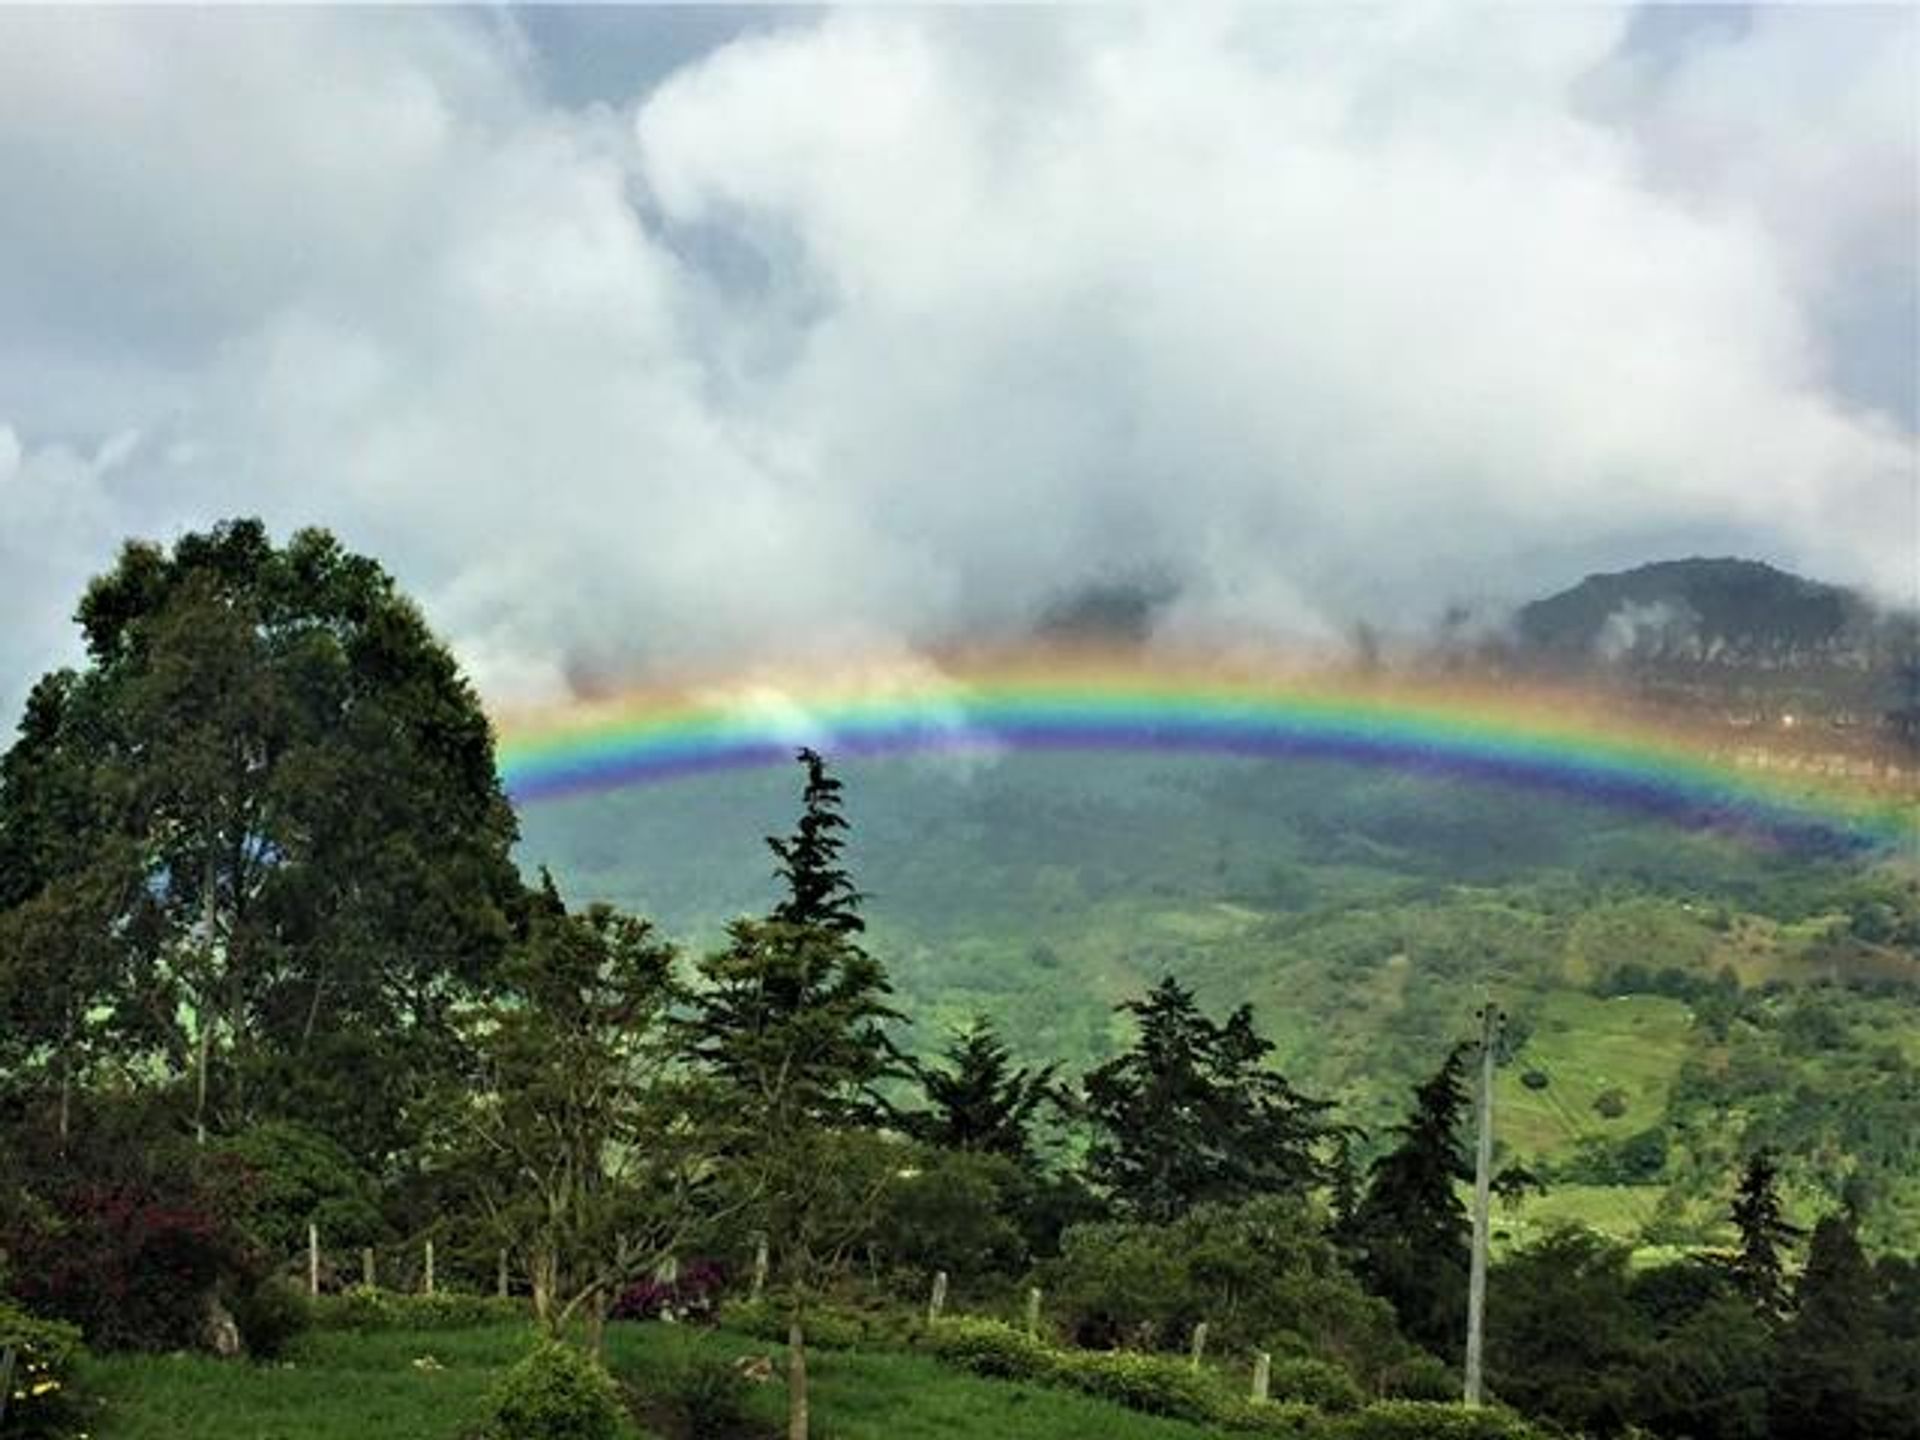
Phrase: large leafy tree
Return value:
(1410, 1232)
(1192, 1114)
(260, 823)
(788, 1020)
(1838, 1366)
(572, 1134)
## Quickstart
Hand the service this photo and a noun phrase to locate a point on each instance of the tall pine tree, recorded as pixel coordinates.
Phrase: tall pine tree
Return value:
(980, 1101)
(1759, 1266)
(1410, 1231)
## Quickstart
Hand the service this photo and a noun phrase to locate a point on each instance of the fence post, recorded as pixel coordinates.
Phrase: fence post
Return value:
(367, 1272)
(429, 1274)
(937, 1301)
(1033, 1311)
(1199, 1343)
(313, 1258)
(6, 1378)
(759, 1266)
(504, 1288)
(1262, 1376)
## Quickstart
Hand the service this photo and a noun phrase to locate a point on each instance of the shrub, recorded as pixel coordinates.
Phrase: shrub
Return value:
(827, 1328)
(711, 1396)
(1421, 1377)
(278, 1177)
(555, 1393)
(1610, 1104)
(132, 1264)
(1315, 1382)
(693, 1294)
(40, 1403)
(991, 1348)
(1278, 1417)
(1153, 1384)
(1427, 1420)
(366, 1309)
(269, 1315)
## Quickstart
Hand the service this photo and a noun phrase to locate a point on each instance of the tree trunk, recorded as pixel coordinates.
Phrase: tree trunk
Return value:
(200, 1083)
(540, 1275)
(796, 1380)
(597, 1325)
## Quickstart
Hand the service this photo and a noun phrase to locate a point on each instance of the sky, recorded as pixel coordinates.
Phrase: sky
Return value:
(643, 340)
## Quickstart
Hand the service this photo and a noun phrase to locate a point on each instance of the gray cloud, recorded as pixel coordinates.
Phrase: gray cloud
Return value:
(857, 331)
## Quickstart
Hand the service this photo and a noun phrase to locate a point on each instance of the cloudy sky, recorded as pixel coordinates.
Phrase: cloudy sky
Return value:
(641, 339)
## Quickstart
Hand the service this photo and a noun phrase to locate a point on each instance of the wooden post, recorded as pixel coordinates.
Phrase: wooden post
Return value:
(6, 1378)
(1199, 1343)
(1262, 1376)
(505, 1289)
(368, 1275)
(313, 1258)
(428, 1289)
(1033, 1311)
(937, 1301)
(759, 1267)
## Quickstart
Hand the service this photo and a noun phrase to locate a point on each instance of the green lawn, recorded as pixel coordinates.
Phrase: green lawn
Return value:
(1586, 1046)
(341, 1386)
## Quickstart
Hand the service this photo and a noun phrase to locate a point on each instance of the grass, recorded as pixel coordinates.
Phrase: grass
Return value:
(1587, 1046)
(337, 1385)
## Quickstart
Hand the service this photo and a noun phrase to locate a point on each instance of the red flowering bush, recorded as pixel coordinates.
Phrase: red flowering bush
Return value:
(693, 1294)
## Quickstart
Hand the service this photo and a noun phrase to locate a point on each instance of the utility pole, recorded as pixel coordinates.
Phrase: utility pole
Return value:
(1490, 1022)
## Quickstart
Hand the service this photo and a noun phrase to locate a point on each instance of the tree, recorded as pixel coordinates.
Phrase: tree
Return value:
(1410, 1233)
(980, 1101)
(574, 1136)
(263, 816)
(788, 1021)
(1758, 1266)
(1192, 1115)
(1831, 1377)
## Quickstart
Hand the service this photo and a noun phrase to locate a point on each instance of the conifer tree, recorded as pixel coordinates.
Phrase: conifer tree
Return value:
(788, 1021)
(981, 1101)
(1410, 1232)
(1759, 1268)
(1191, 1114)
(1825, 1385)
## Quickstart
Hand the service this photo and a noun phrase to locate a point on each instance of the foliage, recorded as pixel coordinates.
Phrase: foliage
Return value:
(954, 1210)
(277, 1177)
(693, 1293)
(710, 1395)
(1192, 1115)
(1834, 1369)
(1429, 1420)
(265, 814)
(992, 1348)
(1410, 1231)
(828, 1326)
(269, 1315)
(1261, 1275)
(1563, 1338)
(980, 1100)
(556, 1393)
(1319, 1383)
(571, 1137)
(1759, 1267)
(1153, 1384)
(366, 1309)
(40, 1404)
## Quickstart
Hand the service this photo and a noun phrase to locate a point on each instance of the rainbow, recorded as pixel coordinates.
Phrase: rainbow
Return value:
(1538, 739)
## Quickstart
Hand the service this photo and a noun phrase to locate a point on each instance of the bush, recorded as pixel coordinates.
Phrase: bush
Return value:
(710, 1395)
(555, 1393)
(132, 1264)
(827, 1328)
(991, 1348)
(269, 1315)
(40, 1405)
(1153, 1384)
(1421, 1377)
(693, 1294)
(1278, 1417)
(1315, 1382)
(1428, 1420)
(366, 1309)
(278, 1177)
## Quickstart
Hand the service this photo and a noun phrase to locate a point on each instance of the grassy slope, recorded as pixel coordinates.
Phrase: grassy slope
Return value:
(342, 1386)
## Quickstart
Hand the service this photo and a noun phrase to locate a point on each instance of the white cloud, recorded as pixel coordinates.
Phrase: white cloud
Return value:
(870, 332)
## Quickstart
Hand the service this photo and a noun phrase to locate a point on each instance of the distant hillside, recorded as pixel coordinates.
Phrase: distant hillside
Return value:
(1739, 635)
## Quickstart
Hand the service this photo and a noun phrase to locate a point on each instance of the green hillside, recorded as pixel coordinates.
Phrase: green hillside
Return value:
(1675, 997)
